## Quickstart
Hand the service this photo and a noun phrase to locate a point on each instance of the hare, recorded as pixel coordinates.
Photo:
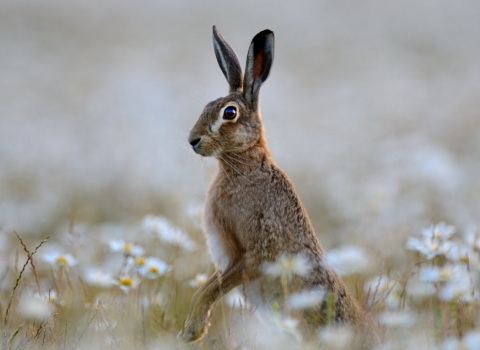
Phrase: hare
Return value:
(253, 215)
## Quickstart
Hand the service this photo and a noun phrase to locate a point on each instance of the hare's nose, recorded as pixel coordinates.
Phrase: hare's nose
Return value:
(195, 142)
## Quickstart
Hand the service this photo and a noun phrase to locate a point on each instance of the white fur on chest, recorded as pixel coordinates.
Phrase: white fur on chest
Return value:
(216, 245)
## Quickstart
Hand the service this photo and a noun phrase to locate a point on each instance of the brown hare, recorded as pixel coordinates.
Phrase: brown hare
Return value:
(253, 215)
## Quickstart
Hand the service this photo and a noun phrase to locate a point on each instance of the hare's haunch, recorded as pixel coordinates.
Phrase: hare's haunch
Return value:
(253, 215)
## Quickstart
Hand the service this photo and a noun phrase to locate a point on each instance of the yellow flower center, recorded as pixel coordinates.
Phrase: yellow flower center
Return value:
(61, 260)
(140, 261)
(127, 247)
(127, 282)
(153, 269)
(287, 264)
(445, 274)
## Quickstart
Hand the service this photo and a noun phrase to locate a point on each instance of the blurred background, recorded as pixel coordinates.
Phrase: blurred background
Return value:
(372, 108)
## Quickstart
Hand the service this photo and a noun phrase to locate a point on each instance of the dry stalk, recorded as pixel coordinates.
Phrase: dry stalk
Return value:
(17, 282)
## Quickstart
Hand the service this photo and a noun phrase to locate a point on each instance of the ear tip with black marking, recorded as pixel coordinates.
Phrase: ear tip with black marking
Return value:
(264, 33)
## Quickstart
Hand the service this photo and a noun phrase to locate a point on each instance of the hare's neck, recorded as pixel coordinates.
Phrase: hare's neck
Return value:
(245, 162)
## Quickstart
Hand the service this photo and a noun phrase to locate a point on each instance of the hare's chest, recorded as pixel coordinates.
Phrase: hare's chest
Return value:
(216, 244)
(221, 221)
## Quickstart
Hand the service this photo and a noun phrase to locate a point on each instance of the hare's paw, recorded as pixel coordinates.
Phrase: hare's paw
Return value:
(194, 329)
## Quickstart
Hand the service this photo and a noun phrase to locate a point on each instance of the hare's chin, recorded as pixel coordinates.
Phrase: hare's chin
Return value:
(204, 153)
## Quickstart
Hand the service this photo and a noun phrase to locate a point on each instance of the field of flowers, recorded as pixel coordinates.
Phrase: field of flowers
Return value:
(130, 288)
(372, 108)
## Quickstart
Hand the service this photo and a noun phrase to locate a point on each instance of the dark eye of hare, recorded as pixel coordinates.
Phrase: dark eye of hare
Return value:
(230, 113)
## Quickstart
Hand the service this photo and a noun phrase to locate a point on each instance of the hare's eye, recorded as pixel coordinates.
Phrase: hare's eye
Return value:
(230, 113)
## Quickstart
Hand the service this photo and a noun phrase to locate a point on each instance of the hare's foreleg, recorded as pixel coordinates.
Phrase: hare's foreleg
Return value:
(205, 298)
(202, 288)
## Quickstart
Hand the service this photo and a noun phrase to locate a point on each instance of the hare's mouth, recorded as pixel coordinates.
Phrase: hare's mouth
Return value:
(202, 148)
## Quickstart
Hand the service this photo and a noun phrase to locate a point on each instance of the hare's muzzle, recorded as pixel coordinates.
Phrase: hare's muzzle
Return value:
(194, 141)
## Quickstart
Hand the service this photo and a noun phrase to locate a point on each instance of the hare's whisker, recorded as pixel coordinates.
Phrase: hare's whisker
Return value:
(236, 169)
(226, 174)
(236, 160)
(239, 156)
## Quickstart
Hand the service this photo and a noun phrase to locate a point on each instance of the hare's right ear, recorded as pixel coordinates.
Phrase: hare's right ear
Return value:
(228, 61)
(259, 62)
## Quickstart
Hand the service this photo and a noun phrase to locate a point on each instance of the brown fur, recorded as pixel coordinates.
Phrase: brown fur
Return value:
(252, 210)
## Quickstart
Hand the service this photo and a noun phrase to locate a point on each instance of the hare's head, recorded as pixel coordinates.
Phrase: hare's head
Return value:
(232, 123)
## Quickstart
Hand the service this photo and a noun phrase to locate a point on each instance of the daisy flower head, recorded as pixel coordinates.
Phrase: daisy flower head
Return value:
(444, 273)
(50, 296)
(397, 319)
(137, 261)
(336, 337)
(36, 308)
(440, 231)
(435, 241)
(128, 249)
(470, 341)
(288, 265)
(348, 260)
(98, 278)
(459, 290)
(290, 325)
(306, 299)
(154, 268)
(127, 283)
(61, 260)
(199, 280)
(463, 254)
(472, 238)
(168, 233)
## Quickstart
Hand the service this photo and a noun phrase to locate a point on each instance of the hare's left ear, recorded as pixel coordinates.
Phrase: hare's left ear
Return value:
(228, 61)
(259, 62)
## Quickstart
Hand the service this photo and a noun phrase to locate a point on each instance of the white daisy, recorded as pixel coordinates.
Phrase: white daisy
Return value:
(470, 341)
(440, 231)
(463, 255)
(444, 273)
(348, 260)
(98, 277)
(199, 280)
(127, 283)
(435, 241)
(290, 325)
(336, 337)
(36, 308)
(428, 247)
(397, 319)
(154, 268)
(168, 233)
(459, 290)
(306, 299)
(288, 265)
(50, 296)
(128, 249)
(61, 260)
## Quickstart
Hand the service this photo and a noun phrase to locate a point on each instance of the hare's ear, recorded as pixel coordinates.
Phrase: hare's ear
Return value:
(259, 62)
(228, 61)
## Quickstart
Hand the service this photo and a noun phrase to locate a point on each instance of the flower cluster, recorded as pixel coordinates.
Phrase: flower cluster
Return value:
(452, 276)
(134, 265)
